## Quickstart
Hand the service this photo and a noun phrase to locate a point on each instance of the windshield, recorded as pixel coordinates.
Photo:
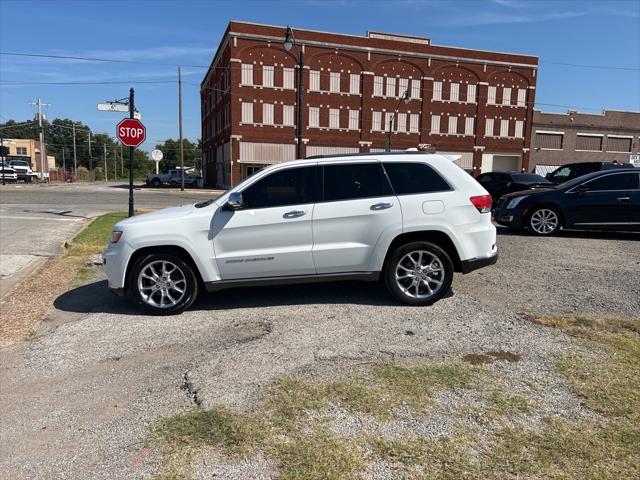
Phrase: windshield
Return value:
(19, 163)
(529, 177)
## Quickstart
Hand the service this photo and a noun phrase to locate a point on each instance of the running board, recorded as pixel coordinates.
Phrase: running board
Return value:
(325, 277)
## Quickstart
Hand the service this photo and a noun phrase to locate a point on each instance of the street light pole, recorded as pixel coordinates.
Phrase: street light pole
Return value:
(289, 42)
(405, 96)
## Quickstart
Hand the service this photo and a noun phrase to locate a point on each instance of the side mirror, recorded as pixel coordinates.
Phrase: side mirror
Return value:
(549, 176)
(235, 201)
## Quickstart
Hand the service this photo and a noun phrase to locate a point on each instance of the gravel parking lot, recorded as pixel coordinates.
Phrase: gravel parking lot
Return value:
(78, 399)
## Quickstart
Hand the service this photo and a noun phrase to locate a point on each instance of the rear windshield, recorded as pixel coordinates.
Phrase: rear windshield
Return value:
(529, 177)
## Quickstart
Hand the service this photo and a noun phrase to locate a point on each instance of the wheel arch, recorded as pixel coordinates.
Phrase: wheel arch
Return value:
(436, 237)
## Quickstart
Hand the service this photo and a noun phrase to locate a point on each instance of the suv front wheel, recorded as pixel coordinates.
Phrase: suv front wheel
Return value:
(162, 283)
(418, 273)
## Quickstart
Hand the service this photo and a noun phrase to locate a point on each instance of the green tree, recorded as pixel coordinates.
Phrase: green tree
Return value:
(171, 154)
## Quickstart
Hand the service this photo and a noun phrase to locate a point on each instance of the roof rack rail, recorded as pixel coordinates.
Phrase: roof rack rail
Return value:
(365, 154)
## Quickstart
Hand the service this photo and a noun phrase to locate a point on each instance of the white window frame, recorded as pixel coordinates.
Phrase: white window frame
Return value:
(452, 127)
(376, 121)
(388, 118)
(437, 90)
(471, 93)
(401, 122)
(334, 82)
(354, 119)
(416, 87)
(504, 128)
(519, 131)
(469, 124)
(354, 83)
(435, 123)
(288, 115)
(403, 86)
(267, 75)
(489, 127)
(522, 97)
(288, 78)
(314, 80)
(414, 123)
(314, 116)
(247, 112)
(454, 92)
(267, 113)
(334, 118)
(491, 95)
(378, 86)
(247, 74)
(506, 96)
(391, 87)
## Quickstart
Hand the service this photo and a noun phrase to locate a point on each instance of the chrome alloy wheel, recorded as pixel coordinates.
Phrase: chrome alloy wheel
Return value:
(420, 274)
(161, 284)
(544, 221)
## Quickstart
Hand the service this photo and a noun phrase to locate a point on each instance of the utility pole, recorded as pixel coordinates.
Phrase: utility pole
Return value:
(90, 155)
(64, 166)
(115, 164)
(75, 159)
(43, 149)
(106, 170)
(180, 129)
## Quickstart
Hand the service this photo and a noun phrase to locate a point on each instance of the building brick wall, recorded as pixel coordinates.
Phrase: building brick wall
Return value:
(415, 64)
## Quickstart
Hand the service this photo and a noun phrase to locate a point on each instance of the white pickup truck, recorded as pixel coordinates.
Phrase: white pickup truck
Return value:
(172, 178)
(23, 170)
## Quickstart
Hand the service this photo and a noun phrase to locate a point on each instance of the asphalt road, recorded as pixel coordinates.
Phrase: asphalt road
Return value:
(35, 220)
(79, 398)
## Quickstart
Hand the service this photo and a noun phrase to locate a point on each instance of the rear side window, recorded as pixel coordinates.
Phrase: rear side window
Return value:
(293, 186)
(408, 178)
(618, 181)
(356, 180)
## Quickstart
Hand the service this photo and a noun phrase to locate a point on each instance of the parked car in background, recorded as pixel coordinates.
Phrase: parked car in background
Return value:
(412, 219)
(23, 170)
(7, 173)
(605, 200)
(574, 170)
(501, 183)
(172, 178)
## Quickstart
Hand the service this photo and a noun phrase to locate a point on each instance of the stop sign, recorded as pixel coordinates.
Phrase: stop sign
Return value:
(131, 132)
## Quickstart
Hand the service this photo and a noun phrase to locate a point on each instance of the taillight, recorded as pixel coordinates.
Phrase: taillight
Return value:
(482, 203)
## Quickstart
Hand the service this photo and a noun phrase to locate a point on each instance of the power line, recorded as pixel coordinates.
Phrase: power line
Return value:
(601, 67)
(96, 59)
(114, 82)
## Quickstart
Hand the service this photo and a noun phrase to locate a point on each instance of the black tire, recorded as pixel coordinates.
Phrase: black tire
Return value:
(544, 221)
(156, 182)
(185, 271)
(426, 279)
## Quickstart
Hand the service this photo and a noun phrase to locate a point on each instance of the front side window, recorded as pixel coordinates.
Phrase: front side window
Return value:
(293, 186)
(357, 180)
(618, 181)
(408, 178)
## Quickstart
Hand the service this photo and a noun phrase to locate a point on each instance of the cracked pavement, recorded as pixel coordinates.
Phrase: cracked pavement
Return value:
(77, 401)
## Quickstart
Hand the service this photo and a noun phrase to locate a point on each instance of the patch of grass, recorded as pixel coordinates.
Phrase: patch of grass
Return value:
(506, 356)
(283, 427)
(477, 359)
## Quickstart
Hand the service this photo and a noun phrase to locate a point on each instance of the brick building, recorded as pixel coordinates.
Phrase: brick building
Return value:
(560, 138)
(478, 104)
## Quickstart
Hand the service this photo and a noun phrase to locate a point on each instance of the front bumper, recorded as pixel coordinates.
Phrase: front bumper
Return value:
(509, 217)
(472, 264)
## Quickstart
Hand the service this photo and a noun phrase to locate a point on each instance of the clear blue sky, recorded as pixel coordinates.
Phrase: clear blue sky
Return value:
(605, 33)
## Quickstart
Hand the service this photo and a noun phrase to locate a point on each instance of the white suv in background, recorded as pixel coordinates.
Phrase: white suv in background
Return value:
(411, 218)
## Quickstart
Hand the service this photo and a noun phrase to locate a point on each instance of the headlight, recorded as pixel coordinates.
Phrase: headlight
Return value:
(115, 236)
(515, 201)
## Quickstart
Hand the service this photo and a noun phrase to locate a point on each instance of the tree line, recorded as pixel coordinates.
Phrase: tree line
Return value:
(90, 147)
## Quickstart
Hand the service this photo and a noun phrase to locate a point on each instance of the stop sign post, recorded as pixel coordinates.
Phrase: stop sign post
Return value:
(131, 133)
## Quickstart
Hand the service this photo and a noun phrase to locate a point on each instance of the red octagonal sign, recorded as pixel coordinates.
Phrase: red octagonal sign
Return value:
(131, 132)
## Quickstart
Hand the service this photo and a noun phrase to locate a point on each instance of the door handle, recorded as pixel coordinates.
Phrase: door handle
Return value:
(294, 214)
(381, 206)
(623, 199)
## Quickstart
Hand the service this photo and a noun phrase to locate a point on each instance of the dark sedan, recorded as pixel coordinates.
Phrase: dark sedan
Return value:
(606, 200)
(501, 183)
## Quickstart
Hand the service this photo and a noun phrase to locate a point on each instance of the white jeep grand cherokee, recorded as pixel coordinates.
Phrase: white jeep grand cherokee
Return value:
(412, 218)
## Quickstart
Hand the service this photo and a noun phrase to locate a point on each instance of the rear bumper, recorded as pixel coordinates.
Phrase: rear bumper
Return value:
(467, 266)
(118, 291)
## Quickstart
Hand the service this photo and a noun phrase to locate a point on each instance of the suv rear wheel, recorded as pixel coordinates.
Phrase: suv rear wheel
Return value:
(162, 283)
(418, 273)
